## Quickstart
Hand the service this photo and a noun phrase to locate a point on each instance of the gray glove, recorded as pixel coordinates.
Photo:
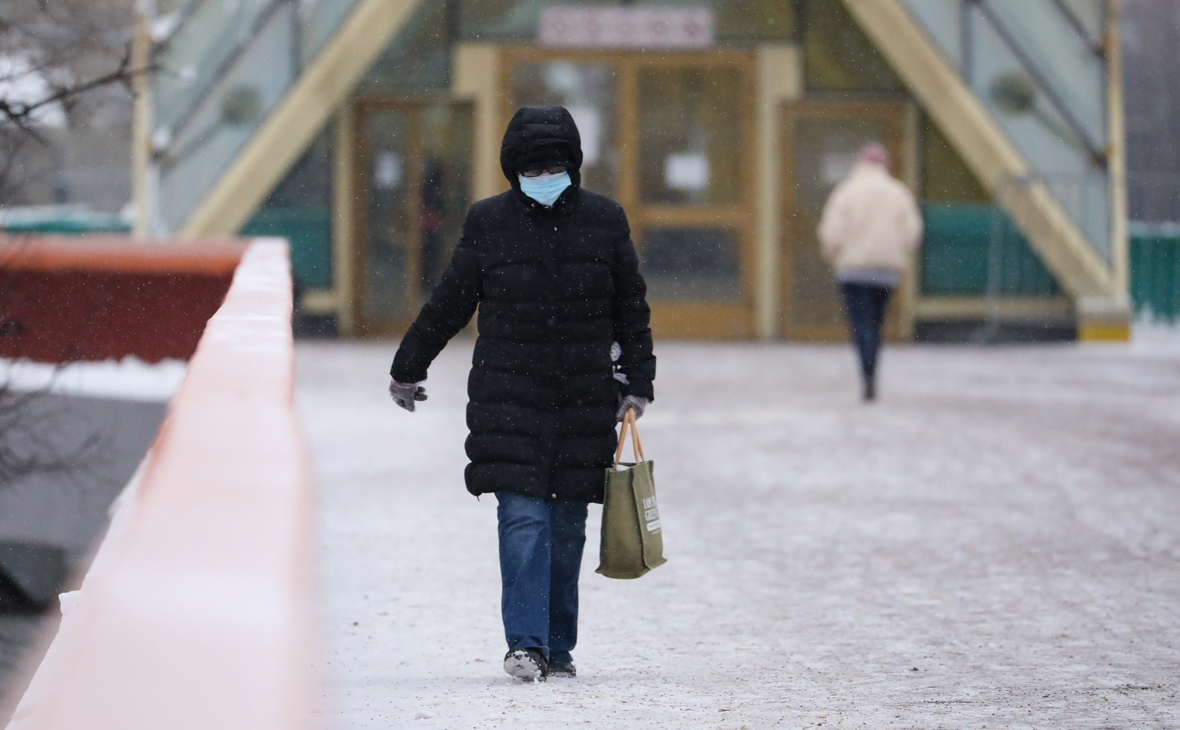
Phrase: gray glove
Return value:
(404, 394)
(631, 401)
(616, 351)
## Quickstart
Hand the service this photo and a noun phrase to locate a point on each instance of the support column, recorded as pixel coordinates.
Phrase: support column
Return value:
(476, 74)
(1109, 319)
(343, 209)
(142, 178)
(908, 292)
(780, 78)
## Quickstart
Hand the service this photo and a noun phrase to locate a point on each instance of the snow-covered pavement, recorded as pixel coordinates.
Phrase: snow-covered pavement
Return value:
(994, 544)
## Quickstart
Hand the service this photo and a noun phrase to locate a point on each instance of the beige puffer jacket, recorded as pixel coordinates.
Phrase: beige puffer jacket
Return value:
(870, 222)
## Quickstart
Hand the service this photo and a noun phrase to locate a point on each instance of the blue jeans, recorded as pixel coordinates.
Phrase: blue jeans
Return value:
(541, 545)
(865, 305)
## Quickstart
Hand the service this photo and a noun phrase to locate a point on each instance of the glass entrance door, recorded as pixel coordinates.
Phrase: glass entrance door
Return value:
(820, 144)
(413, 169)
(670, 138)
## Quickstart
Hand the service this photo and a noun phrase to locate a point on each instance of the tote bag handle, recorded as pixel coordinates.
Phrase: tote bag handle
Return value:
(637, 448)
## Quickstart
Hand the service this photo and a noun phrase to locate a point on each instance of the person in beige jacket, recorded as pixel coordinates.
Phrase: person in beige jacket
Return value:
(869, 231)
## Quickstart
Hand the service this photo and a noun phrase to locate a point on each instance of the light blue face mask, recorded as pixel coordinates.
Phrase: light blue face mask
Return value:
(545, 189)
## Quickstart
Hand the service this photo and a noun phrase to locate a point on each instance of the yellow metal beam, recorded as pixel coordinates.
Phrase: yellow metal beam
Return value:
(1104, 332)
(290, 128)
(909, 290)
(950, 308)
(343, 232)
(984, 146)
(1110, 321)
(1116, 153)
(476, 74)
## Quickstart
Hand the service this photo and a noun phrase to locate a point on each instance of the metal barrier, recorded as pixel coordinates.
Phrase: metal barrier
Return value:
(197, 611)
(1155, 271)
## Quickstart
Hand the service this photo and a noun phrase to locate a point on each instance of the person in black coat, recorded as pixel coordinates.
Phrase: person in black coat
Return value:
(564, 350)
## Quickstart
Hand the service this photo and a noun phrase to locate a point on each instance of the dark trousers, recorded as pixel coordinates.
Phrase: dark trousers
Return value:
(541, 545)
(865, 306)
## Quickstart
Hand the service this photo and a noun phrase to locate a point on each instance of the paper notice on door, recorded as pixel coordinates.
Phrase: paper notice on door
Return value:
(387, 170)
(835, 166)
(589, 122)
(686, 171)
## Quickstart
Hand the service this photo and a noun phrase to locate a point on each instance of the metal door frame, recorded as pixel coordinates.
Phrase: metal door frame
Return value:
(672, 319)
(413, 108)
(897, 115)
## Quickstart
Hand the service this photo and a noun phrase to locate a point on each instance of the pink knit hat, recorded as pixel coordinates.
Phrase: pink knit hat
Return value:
(873, 153)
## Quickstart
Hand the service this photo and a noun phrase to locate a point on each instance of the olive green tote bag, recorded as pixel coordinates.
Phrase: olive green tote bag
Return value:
(632, 536)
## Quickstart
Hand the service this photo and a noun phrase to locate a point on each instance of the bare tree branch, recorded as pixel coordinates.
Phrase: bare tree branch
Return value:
(21, 113)
(55, 55)
(26, 443)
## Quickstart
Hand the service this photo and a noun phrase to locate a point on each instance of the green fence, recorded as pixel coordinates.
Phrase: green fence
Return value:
(310, 232)
(60, 220)
(1155, 271)
(975, 250)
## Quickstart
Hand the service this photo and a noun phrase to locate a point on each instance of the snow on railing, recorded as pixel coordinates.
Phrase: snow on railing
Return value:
(197, 609)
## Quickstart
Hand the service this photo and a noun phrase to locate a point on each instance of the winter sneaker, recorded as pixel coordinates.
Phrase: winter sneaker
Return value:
(562, 669)
(527, 665)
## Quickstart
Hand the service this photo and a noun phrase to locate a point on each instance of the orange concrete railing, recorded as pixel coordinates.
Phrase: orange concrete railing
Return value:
(197, 612)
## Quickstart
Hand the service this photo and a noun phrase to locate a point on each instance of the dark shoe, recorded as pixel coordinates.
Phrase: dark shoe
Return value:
(527, 665)
(870, 392)
(563, 669)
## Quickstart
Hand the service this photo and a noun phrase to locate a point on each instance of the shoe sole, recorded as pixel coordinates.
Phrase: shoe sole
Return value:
(523, 668)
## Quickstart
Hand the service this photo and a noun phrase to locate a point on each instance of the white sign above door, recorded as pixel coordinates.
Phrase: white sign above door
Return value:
(606, 27)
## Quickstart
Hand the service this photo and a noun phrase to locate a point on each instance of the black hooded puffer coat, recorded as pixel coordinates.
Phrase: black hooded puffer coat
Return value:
(555, 287)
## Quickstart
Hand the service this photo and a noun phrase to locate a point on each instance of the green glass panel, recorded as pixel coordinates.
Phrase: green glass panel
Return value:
(237, 105)
(320, 20)
(946, 177)
(221, 73)
(1006, 85)
(943, 21)
(839, 56)
(418, 60)
(1064, 58)
(195, 53)
(1037, 69)
(168, 7)
(1090, 15)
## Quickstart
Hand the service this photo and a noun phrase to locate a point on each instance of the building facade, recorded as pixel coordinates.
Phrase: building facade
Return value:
(362, 130)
